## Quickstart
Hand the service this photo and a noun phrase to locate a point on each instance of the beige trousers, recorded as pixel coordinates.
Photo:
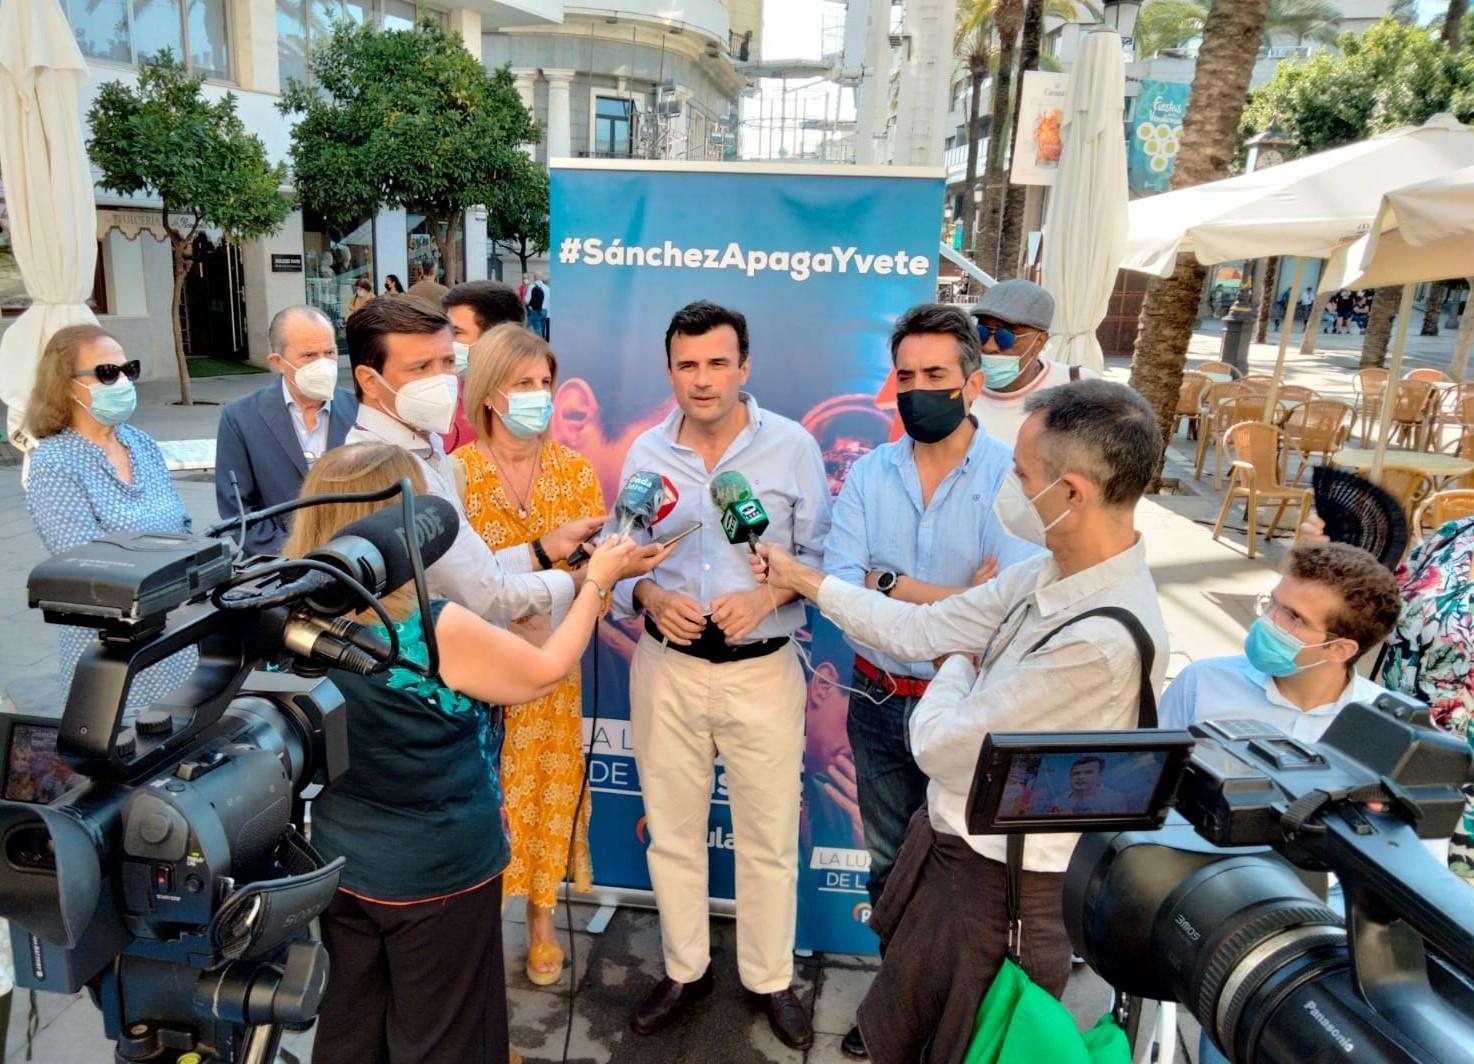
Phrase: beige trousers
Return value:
(684, 712)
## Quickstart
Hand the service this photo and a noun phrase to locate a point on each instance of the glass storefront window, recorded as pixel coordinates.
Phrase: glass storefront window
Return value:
(13, 297)
(101, 28)
(157, 26)
(399, 14)
(130, 31)
(291, 41)
(613, 122)
(334, 256)
(424, 254)
(209, 52)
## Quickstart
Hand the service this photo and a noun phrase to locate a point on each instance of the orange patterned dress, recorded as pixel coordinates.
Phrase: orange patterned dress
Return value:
(542, 757)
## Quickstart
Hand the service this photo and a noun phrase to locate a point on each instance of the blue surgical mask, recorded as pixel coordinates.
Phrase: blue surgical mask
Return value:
(111, 404)
(528, 413)
(1273, 651)
(999, 371)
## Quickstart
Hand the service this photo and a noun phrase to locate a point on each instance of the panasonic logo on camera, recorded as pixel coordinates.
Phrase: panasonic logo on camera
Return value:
(1330, 1028)
(1186, 928)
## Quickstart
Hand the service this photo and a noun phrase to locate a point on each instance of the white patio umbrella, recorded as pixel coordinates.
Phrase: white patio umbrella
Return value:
(1424, 232)
(1085, 232)
(48, 187)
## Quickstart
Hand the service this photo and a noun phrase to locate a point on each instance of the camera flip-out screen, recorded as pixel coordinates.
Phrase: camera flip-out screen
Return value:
(1077, 781)
(33, 771)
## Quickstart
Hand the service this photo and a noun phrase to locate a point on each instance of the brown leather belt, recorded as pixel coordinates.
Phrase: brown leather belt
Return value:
(905, 686)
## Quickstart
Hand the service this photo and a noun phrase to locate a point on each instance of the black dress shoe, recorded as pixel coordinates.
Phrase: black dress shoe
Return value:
(789, 1020)
(853, 1044)
(666, 1001)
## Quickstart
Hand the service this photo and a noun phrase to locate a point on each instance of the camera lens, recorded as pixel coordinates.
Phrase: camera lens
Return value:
(29, 848)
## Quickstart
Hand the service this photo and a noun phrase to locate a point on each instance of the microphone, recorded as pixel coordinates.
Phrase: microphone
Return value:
(374, 552)
(743, 517)
(647, 498)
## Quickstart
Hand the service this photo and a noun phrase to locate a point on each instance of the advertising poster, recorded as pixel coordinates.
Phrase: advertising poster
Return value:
(821, 261)
(1156, 134)
(1036, 149)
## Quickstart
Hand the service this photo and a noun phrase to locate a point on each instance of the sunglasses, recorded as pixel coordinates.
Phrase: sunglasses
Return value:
(107, 372)
(1005, 337)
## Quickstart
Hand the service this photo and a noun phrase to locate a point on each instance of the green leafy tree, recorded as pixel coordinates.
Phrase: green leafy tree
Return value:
(406, 118)
(1165, 24)
(1395, 75)
(167, 141)
(972, 44)
(518, 222)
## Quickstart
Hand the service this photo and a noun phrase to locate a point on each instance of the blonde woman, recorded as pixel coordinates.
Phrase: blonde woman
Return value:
(92, 474)
(520, 485)
(414, 932)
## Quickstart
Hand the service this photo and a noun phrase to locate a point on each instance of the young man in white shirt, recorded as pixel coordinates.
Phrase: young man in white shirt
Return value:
(1333, 604)
(1013, 320)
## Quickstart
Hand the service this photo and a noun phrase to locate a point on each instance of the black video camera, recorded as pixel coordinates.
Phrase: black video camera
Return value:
(160, 861)
(1215, 909)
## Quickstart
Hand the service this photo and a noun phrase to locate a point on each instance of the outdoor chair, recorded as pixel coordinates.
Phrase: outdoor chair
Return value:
(1441, 507)
(1463, 447)
(1249, 406)
(1190, 402)
(1408, 486)
(1410, 407)
(1258, 475)
(1456, 412)
(1295, 393)
(1367, 386)
(1432, 376)
(1218, 367)
(1216, 419)
(1317, 427)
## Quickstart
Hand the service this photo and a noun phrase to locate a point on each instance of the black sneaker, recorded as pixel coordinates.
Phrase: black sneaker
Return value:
(853, 1044)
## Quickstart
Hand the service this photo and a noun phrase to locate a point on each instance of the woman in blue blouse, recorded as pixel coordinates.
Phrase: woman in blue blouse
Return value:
(92, 474)
(414, 933)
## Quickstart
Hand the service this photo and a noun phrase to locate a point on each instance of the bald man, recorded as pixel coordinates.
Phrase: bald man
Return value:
(267, 440)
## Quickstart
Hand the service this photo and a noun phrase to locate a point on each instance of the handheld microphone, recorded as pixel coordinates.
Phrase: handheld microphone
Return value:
(743, 517)
(375, 553)
(646, 499)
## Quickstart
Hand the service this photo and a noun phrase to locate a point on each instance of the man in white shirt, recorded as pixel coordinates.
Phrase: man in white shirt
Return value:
(1333, 604)
(1013, 320)
(404, 374)
(1024, 656)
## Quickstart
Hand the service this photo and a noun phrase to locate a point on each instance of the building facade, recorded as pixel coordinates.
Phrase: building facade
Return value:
(636, 78)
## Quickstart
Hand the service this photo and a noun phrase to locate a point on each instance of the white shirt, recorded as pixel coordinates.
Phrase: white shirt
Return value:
(1231, 688)
(1085, 678)
(499, 586)
(1003, 414)
(782, 462)
(314, 441)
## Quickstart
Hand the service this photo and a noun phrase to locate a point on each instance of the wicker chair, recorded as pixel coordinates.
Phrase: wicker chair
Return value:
(1408, 486)
(1455, 412)
(1217, 417)
(1318, 427)
(1218, 367)
(1258, 475)
(1411, 404)
(1441, 507)
(1368, 386)
(1432, 376)
(1190, 402)
(1463, 447)
(1295, 393)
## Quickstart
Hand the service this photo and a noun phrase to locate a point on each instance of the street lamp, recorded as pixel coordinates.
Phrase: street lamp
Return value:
(1120, 15)
(1265, 149)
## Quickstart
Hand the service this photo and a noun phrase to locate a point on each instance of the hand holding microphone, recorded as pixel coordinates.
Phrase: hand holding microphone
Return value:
(743, 517)
(645, 499)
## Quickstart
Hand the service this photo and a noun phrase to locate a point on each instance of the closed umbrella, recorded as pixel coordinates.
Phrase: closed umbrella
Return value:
(1085, 231)
(48, 188)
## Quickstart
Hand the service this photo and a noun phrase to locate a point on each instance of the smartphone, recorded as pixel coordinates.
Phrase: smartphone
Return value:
(679, 534)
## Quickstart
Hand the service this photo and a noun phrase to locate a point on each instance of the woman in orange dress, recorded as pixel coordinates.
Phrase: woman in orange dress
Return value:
(520, 485)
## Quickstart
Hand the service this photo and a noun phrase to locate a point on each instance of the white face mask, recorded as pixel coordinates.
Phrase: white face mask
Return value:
(427, 404)
(1016, 512)
(463, 356)
(318, 379)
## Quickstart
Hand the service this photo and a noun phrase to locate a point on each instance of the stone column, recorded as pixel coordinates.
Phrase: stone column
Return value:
(468, 24)
(253, 46)
(526, 82)
(560, 123)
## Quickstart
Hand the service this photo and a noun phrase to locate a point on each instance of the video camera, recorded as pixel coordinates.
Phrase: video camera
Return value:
(1214, 910)
(162, 864)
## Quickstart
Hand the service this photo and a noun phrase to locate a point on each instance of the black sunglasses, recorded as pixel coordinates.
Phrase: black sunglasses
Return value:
(107, 372)
(1006, 337)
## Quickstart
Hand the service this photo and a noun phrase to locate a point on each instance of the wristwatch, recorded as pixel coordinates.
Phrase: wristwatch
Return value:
(885, 583)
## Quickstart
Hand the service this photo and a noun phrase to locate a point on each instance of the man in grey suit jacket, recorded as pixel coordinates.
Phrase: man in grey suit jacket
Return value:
(269, 438)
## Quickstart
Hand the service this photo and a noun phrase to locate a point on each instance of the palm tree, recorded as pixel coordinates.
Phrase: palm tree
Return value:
(1231, 34)
(1008, 18)
(1453, 23)
(972, 44)
(1165, 24)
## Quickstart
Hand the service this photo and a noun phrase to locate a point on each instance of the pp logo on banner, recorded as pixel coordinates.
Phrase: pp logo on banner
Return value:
(861, 913)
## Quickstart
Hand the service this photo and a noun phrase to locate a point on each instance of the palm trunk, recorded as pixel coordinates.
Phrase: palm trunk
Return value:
(1266, 299)
(1013, 202)
(1379, 325)
(1453, 23)
(182, 252)
(985, 240)
(1458, 367)
(1220, 88)
(976, 72)
(1436, 295)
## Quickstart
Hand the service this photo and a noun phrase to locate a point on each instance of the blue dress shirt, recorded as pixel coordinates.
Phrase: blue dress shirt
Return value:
(781, 460)
(880, 523)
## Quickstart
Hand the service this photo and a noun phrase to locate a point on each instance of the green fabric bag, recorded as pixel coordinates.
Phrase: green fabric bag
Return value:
(1021, 1023)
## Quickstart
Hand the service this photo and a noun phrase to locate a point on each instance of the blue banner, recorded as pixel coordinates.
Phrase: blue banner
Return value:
(822, 262)
(1156, 134)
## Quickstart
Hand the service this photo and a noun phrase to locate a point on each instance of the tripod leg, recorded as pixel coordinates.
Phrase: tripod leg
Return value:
(259, 1045)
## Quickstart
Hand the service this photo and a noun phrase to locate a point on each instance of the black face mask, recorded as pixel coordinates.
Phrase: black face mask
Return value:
(930, 416)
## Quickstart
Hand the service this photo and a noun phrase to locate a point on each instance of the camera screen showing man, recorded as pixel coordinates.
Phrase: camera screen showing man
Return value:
(1073, 784)
(33, 772)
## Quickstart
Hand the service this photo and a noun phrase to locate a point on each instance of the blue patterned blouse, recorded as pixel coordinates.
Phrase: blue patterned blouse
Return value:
(75, 496)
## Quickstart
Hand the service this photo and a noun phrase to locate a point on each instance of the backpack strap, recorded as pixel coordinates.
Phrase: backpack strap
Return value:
(1074, 373)
(1146, 705)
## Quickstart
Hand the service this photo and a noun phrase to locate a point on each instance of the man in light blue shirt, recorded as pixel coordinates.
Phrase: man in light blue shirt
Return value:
(716, 673)
(915, 521)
